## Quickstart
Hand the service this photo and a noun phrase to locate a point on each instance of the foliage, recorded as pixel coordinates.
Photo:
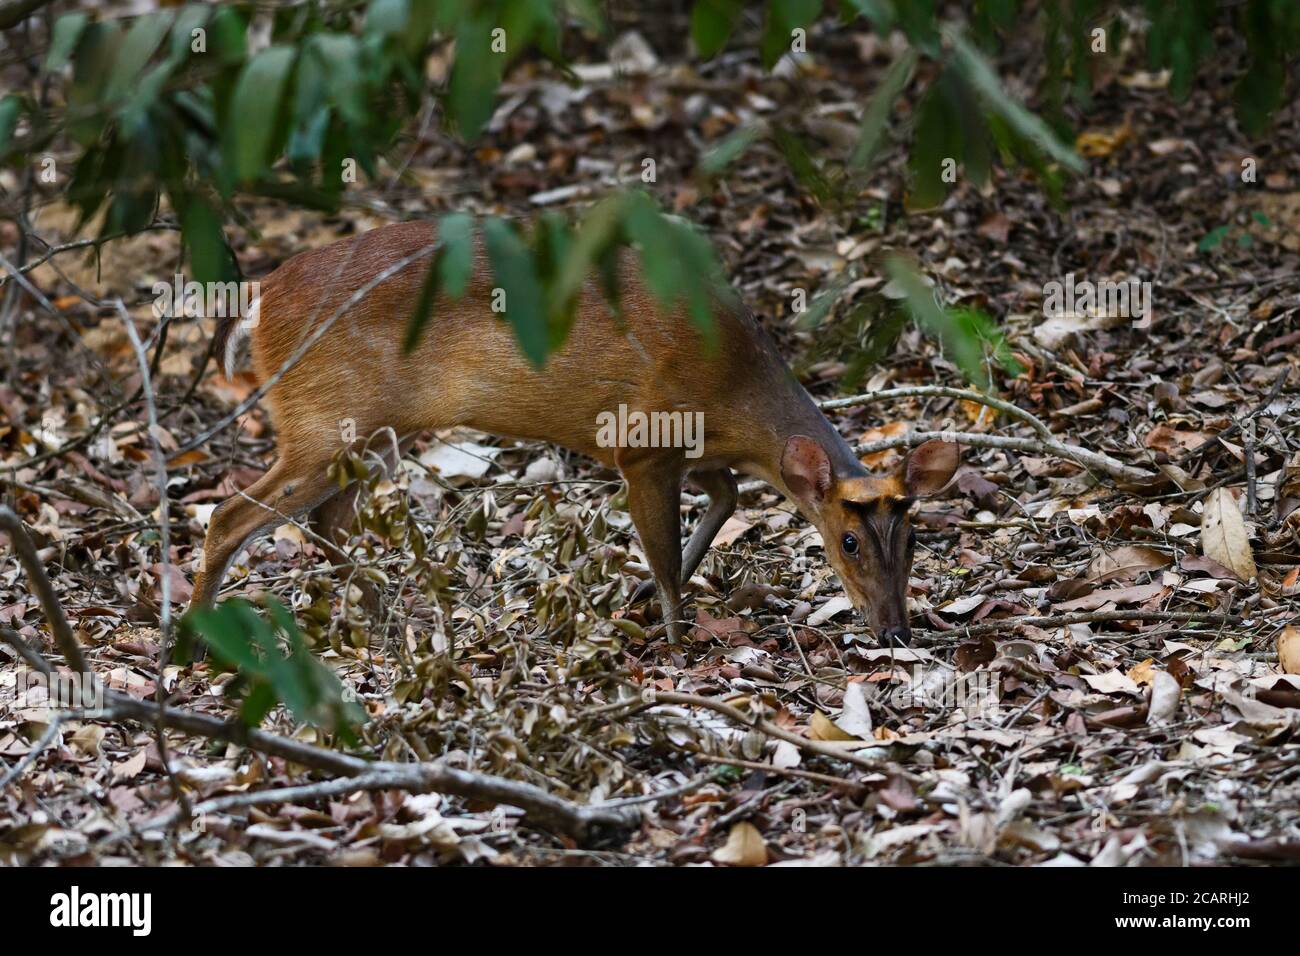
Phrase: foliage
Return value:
(272, 665)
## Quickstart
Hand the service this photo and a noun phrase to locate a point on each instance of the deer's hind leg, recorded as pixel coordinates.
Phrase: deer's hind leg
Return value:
(295, 484)
(333, 521)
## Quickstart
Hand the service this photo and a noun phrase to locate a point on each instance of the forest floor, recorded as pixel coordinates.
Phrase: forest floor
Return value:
(1100, 668)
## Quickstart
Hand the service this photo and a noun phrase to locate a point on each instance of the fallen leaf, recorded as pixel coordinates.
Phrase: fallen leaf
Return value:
(1137, 594)
(828, 610)
(1223, 534)
(995, 227)
(126, 769)
(1111, 682)
(1288, 649)
(734, 527)
(744, 847)
(1100, 143)
(1165, 694)
(822, 727)
(1125, 563)
(855, 719)
(1142, 673)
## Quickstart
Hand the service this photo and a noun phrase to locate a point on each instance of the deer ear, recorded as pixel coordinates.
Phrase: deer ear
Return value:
(929, 467)
(806, 470)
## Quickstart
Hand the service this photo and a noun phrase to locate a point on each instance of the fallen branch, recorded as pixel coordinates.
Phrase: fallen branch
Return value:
(941, 391)
(23, 547)
(38, 748)
(1046, 443)
(587, 825)
(1091, 460)
(1082, 617)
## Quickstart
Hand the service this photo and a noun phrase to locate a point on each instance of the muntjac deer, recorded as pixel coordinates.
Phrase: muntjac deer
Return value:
(467, 370)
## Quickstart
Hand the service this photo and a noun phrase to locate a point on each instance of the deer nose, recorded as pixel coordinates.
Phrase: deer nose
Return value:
(900, 635)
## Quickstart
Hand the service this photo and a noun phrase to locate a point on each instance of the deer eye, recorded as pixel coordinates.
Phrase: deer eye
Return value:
(850, 543)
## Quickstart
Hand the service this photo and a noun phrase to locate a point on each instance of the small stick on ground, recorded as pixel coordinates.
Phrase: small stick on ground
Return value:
(1061, 620)
(817, 747)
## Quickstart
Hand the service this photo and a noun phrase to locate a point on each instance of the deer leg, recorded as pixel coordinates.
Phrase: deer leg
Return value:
(720, 485)
(654, 487)
(293, 486)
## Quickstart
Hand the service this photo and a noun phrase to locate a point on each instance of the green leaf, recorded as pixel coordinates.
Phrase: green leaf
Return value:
(138, 46)
(783, 18)
(876, 116)
(95, 59)
(917, 20)
(227, 36)
(341, 55)
(1212, 239)
(244, 640)
(677, 263)
(961, 332)
(931, 146)
(475, 75)
(448, 271)
(456, 232)
(732, 146)
(984, 80)
(192, 17)
(516, 275)
(204, 239)
(879, 12)
(67, 31)
(254, 113)
(804, 167)
(711, 24)
(10, 107)
(387, 17)
(597, 236)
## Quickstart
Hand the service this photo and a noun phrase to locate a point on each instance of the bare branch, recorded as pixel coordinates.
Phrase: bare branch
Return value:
(23, 547)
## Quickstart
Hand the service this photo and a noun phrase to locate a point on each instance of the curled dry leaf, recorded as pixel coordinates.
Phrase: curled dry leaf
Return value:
(1288, 649)
(1165, 694)
(822, 727)
(1223, 534)
(1125, 563)
(744, 847)
(855, 719)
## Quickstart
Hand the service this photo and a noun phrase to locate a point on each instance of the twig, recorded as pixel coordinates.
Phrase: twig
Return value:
(941, 391)
(23, 547)
(767, 727)
(1248, 440)
(825, 778)
(1083, 617)
(1092, 460)
(164, 544)
(52, 251)
(37, 749)
(585, 824)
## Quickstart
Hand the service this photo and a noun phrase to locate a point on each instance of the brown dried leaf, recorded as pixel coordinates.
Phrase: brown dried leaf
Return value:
(1223, 534)
(744, 847)
(1288, 649)
(1125, 563)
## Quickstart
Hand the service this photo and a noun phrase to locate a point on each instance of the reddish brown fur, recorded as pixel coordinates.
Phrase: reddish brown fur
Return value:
(468, 370)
